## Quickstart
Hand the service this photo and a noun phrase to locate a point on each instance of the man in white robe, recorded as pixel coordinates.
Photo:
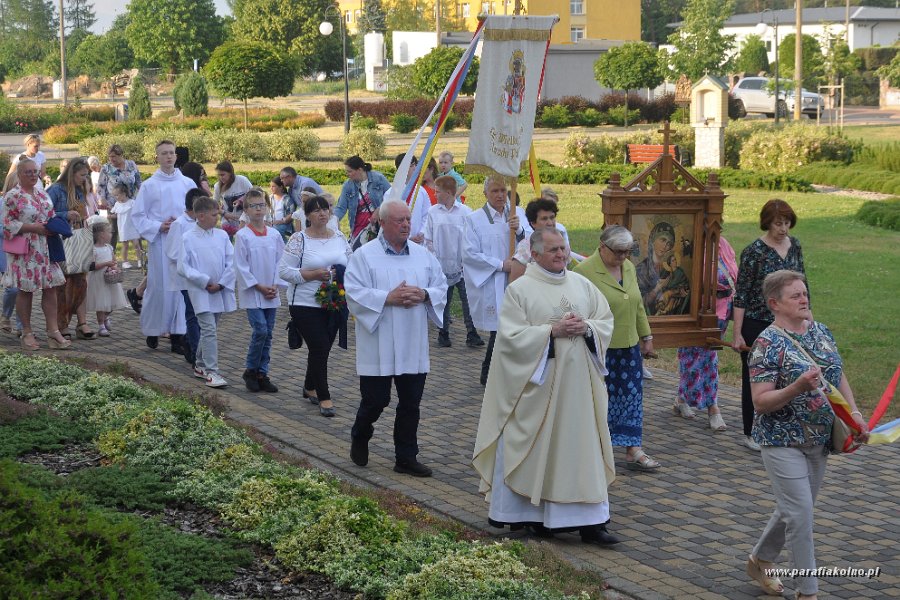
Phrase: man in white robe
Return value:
(159, 202)
(543, 449)
(393, 288)
(176, 283)
(487, 260)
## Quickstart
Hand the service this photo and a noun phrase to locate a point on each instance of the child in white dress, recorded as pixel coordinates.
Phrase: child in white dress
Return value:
(127, 233)
(103, 297)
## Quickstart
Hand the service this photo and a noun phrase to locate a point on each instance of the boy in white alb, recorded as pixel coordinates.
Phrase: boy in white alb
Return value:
(445, 233)
(207, 263)
(257, 252)
(176, 283)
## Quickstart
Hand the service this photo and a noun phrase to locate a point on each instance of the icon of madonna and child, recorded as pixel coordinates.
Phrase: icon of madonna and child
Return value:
(662, 274)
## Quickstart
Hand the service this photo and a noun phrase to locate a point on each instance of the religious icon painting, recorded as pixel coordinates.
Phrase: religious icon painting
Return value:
(514, 86)
(664, 261)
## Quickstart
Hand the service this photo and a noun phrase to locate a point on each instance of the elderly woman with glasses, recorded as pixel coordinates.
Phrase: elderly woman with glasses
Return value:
(611, 271)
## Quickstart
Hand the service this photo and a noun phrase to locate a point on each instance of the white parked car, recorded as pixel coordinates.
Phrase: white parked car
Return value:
(757, 95)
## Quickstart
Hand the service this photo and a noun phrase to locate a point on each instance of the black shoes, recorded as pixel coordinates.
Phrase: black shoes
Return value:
(312, 399)
(484, 375)
(251, 380)
(359, 451)
(134, 300)
(327, 412)
(264, 383)
(597, 534)
(177, 343)
(473, 340)
(443, 339)
(412, 467)
(152, 341)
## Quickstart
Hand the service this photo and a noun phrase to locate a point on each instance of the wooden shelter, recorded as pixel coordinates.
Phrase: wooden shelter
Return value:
(676, 221)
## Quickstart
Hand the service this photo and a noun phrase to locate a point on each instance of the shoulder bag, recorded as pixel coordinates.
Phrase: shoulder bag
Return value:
(843, 439)
(79, 249)
(17, 244)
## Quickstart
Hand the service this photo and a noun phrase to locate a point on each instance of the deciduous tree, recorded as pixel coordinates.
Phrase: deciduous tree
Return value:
(631, 66)
(103, 55)
(245, 70)
(813, 61)
(139, 101)
(700, 47)
(752, 58)
(432, 71)
(172, 33)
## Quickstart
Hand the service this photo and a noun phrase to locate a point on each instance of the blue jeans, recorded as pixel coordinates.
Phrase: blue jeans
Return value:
(463, 298)
(262, 321)
(193, 327)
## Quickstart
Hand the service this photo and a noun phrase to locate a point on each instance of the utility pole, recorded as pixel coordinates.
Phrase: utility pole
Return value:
(62, 52)
(437, 21)
(798, 62)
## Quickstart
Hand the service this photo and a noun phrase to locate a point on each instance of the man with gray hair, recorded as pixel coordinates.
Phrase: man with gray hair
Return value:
(393, 288)
(487, 260)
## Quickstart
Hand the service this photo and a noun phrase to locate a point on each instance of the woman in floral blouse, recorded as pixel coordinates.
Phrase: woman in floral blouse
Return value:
(792, 423)
(773, 251)
(26, 210)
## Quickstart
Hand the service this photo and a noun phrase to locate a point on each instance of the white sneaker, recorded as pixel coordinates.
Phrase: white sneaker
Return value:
(750, 443)
(199, 373)
(103, 331)
(127, 265)
(214, 380)
(647, 373)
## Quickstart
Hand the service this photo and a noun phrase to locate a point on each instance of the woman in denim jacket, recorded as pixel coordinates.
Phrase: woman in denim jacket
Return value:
(360, 197)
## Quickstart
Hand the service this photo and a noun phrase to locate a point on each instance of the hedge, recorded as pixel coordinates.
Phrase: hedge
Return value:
(36, 119)
(881, 213)
(856, 176)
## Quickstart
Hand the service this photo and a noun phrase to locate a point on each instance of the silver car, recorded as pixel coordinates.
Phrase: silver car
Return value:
(756, 95)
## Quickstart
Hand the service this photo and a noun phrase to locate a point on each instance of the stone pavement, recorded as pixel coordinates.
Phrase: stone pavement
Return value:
(687, 529)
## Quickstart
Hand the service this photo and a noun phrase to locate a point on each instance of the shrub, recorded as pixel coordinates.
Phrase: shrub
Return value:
(659, 109)
(582, 150)
(736, 135)
(234, 146)
(72, 133)
(172, 438)
(139, 101)
(61, 548)
(883, 156)
(122, 487)
(5, 162)
(194, 141)
(27, 379)
(556, 116)
(41, 432)
(882, 213)
(357, 121)
(366, 143)
(400, 84)
(193, 95)
(291, 144)
(311, 120)
(616, 115)
(404, 123)
(132, 145)
(590, 117)
(794, 146)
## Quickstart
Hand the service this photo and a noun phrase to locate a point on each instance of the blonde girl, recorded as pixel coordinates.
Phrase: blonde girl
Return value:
(103, 297)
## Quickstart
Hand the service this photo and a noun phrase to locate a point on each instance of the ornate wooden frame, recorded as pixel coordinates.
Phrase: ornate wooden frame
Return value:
(665, 187)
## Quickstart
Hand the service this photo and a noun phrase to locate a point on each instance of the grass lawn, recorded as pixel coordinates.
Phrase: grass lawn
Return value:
(853, 271)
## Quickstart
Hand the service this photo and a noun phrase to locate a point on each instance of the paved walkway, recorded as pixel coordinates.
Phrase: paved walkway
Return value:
(687, 529)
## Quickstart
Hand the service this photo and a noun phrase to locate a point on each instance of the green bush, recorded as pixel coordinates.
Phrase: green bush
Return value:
(194, 141)
(28, 379)
(41, 432)
(556, 116)
(172, 437)
(616, 116)
(365, 143)
(233, 145)
(357, 121)
(122, 487)
(404, 123)
(291, 144)
(883, 156)
(582, 150)
(881, 213)
(61, 548)
(590, 117)
(5, 162)
(132, 145)
(139, 101)
(782, 151)
(192, 95)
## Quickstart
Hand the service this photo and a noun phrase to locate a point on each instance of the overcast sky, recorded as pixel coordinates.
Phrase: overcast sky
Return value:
(106, 11)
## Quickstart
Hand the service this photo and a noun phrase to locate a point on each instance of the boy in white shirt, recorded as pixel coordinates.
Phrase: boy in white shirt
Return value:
(257, 252)
(207, 263)
(176, 283)
(445, 234)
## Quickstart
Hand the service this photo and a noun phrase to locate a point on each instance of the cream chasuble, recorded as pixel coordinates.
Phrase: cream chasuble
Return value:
(556, 445)
(392, 340)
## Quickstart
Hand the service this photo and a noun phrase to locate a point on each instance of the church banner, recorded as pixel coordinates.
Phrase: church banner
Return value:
(509, 80)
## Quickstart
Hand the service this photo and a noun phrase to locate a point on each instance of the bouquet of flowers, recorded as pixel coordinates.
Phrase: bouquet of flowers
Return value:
(331, 296)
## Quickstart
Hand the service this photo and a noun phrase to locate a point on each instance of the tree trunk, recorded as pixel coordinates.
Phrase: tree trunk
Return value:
(245, 114)
(626, 109)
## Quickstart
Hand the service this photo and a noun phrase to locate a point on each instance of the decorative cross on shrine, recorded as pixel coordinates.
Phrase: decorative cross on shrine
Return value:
(666, 131)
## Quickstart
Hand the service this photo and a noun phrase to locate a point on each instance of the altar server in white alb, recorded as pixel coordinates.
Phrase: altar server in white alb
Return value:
(393, 288)
(543, 449)
(207, 264)
(487, 261)
(159, 202)
(176, 283)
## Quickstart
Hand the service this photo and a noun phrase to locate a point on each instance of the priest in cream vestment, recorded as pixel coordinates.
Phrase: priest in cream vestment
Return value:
(543, 448)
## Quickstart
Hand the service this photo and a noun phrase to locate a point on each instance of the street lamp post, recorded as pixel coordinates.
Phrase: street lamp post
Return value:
(761, 29)
(325, 28)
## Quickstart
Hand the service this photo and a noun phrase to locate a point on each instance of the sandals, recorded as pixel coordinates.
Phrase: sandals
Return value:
(681, 409)
(717, 423)
(55, 343)
(641, 462)
(29, 342)
(772, 586)
(83, 333)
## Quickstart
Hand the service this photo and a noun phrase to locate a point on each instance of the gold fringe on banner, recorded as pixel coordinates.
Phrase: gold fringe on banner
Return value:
(486, 170)
(514, 35)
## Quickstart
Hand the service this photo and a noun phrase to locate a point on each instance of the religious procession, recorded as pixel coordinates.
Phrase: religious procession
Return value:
(564, 336)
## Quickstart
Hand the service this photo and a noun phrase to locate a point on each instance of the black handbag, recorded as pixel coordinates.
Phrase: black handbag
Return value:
(295, 340)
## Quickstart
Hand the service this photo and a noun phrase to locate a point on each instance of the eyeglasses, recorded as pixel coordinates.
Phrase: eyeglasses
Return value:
(622, 253)
(260, 205)
(30, 172)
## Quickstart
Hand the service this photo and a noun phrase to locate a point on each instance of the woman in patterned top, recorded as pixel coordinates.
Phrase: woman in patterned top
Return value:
(792, 423)
(773, 251)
